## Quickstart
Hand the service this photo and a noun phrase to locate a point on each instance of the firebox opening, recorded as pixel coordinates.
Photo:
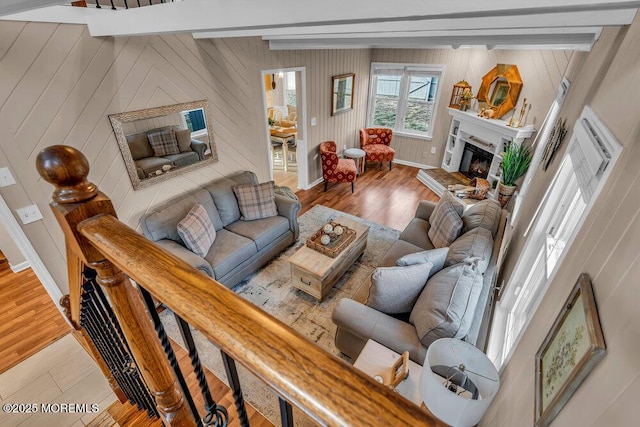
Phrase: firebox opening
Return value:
(475, 162)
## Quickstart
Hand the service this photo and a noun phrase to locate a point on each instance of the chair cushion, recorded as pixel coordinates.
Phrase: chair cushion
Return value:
(485, 213)
(196, 231)
(163, 142)
(184, 159)
(183, 136)
(346, 170)
(229, 251)
(262, 231)
(436, 257)
(152, 164)
(445, 221)
(256, 201)
(139, 146)
(395, 289)
(379, 153)
(475, 243)
(446, 306)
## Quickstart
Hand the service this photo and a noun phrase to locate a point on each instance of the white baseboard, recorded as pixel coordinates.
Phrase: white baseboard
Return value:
(413, 164)
(19, 267)
(314, 183)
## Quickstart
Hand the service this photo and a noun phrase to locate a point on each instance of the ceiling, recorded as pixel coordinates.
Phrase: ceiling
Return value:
(331, 24)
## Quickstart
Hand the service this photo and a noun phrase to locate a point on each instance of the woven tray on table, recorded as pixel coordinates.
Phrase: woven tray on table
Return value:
(337, 244)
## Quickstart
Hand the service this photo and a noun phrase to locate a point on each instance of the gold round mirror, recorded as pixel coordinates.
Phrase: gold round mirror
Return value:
(500, 89)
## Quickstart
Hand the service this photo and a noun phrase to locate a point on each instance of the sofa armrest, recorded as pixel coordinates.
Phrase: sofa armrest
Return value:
(425, 208)
(289, 209)
(364, 323)
(199, 147)
(187, 256)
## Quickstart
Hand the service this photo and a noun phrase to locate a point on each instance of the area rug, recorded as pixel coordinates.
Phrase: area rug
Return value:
(271, 290)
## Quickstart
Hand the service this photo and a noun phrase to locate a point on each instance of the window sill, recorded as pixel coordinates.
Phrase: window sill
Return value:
(413, 135)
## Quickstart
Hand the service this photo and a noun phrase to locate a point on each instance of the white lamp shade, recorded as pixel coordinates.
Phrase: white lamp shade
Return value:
(449, 407)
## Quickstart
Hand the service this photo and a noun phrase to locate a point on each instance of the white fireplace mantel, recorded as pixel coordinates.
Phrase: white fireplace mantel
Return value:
(490, 135)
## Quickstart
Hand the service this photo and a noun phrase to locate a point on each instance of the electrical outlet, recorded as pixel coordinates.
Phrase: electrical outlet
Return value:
(6, 178)
(29, 214)
(433, 150)
(313, 121)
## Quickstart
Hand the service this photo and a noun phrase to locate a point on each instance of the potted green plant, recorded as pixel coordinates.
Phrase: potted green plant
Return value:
(272, 122)
(515, 162)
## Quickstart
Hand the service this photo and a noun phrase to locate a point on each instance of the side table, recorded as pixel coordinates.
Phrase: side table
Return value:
(376, 359)
(358, 156)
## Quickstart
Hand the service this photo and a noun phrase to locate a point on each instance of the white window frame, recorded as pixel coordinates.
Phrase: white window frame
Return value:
(497, 349)
(398, 127)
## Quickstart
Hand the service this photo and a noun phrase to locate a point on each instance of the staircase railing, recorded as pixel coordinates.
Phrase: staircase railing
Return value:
(328, 390)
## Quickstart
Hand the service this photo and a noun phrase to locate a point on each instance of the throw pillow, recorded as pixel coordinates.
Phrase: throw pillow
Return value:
(196, 231)
(436, 257)
(484, 214)
(395, 290)
(475, 243)
(183, 136)
(445, 221)
(446, 306)
(256, 201)
(163, 142)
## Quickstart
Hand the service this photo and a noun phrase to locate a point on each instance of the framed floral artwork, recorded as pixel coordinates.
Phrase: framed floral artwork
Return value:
(342, 93)
(570, 351)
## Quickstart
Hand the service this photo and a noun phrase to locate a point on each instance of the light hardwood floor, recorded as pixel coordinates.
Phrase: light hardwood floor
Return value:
(388, 197)
(29, 321)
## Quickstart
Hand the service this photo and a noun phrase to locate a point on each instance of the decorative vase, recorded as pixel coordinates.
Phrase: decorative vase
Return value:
(505, 192)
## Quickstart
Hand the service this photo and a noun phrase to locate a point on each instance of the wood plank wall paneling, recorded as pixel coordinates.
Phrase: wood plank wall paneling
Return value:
(541, 73)
(606, 248)
(58, 85)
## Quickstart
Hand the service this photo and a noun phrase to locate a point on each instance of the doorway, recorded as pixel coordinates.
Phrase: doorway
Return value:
(284, 106)
(30, 317)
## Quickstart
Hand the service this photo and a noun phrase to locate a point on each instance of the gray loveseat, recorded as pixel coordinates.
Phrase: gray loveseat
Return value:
(357, 322)
(148, 164)
(240, 247)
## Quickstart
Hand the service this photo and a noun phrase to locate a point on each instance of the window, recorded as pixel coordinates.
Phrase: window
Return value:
(290, 88)
(590, 154)
(404, 97)
(194, 120)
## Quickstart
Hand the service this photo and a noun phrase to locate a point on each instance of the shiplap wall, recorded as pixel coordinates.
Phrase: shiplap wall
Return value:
(541, 72)
(58, 86)
(607, 79)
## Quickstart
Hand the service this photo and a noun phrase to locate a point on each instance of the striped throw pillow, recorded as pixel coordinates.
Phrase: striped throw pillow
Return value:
(164, 142)
(196, 231)
(445, 221)
(256, 201)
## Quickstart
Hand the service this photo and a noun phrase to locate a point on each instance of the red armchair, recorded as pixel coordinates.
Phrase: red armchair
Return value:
(376, 144)
(335, 169)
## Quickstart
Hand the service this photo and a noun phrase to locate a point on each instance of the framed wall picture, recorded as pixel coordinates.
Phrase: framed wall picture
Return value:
(342, 93)
(570, 351)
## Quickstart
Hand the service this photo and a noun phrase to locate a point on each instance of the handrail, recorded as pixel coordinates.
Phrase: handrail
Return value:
(326, 388)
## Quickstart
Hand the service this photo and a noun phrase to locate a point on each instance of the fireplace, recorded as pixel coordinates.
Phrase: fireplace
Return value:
(475, 162)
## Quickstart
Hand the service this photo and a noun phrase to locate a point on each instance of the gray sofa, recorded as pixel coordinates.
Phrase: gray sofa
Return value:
(240, 247)
(148, 164)
(356, 322)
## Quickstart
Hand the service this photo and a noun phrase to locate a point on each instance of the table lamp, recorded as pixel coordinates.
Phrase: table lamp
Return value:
(458, 382)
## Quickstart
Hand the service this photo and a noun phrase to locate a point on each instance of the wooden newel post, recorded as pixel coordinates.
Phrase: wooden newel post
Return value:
(74, 200)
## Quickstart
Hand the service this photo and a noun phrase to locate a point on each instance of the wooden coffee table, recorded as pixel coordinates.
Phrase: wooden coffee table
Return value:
(316, 273)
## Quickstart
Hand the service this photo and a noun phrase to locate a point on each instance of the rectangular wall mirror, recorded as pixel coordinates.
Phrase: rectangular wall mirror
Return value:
(162, 142)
